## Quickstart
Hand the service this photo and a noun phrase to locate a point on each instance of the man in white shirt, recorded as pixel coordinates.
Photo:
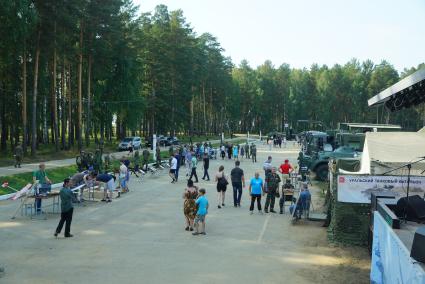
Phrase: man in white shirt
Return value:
(173, 168)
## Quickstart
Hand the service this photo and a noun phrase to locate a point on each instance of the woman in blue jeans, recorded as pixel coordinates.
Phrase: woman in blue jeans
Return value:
(256, 188)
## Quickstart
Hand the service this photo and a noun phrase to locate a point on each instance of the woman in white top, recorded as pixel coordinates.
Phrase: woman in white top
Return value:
(222, 183)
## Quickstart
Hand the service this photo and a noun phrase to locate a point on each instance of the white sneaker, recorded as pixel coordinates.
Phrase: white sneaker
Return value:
(261, 212)
(251, 212)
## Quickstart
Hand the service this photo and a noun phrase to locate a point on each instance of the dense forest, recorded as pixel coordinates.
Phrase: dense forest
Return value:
(74, 72)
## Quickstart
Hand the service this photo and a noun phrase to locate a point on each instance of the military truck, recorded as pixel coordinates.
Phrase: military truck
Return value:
(311, 142)
(345, 142)
(347, 145)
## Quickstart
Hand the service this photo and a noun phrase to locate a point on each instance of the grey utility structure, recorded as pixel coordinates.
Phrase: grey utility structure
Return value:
(406, 93)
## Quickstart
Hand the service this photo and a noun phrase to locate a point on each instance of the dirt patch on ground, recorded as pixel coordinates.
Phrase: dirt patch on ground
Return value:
(347, 265)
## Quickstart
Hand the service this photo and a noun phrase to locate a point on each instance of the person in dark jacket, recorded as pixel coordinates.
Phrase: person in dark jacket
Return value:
(67, 209)
(206, 167)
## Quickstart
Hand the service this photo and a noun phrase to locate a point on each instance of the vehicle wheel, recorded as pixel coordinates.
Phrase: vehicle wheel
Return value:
(322, 172)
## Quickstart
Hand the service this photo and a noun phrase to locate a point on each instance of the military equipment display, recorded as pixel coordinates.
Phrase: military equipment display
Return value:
(345, 142)
(84, 161)
(319, 162)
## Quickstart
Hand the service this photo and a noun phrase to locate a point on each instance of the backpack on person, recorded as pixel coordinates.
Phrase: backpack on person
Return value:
(222, 182)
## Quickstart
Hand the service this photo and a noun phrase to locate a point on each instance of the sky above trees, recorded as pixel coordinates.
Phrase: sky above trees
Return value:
(304, 32)
(74, 71)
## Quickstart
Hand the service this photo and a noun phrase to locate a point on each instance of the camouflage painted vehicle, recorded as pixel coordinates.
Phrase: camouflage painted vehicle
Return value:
(324, 146)
(84, 161)
(319, 163)
(311, 142)
(345, 142)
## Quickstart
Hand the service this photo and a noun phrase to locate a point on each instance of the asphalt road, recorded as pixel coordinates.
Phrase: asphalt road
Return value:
(140, 238)
(25, 168)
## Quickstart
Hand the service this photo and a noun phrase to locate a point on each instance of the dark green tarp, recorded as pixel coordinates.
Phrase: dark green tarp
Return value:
(349, 222)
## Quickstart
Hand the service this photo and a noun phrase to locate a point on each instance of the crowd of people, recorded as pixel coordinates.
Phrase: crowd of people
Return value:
(238, 151)
(276, 141)
(257, 188)
(195, 205)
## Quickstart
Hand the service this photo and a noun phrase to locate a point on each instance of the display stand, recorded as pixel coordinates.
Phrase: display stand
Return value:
(409, 167)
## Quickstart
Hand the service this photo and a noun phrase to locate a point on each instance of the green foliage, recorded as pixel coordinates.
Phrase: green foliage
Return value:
(272, 96)
(151, 73)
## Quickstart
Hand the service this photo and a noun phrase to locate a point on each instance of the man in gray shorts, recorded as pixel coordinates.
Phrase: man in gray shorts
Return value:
(109, 181)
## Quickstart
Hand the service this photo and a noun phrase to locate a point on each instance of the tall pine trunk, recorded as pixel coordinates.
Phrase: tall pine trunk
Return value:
(3, 122)
(63, 96)
(80, 100)
(88, 120)
(34, 98)
(44, 127)
(24, 101)
(70, 120)
(191, 114)
(54, 98)
(204, 108)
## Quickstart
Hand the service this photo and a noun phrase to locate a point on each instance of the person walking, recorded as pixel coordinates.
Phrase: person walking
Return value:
(173, 168)
(201, 150)
(66, 197)
(188, 159)
(223, 151)
(189, 207)
(229, 151)
(145, 155)
(256, 187)
(206, 167)
(253, 151)
(247, 151)
(238, 182)
(272, 189)
(235, 152)
(194, 163)
(158, 154)
(178, 158)
(183, 152)
(201, 213)
(19, 154)
(242, 152)
(222, 183)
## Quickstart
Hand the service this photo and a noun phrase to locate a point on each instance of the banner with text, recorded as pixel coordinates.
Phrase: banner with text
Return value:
(358, 189)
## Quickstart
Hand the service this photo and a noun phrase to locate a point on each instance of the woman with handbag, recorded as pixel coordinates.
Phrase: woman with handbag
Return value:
(222, 183)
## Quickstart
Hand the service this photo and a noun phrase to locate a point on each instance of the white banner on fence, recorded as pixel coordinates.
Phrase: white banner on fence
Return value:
(357, 189)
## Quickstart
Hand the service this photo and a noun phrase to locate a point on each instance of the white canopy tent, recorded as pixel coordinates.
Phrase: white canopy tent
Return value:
(384, 151)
